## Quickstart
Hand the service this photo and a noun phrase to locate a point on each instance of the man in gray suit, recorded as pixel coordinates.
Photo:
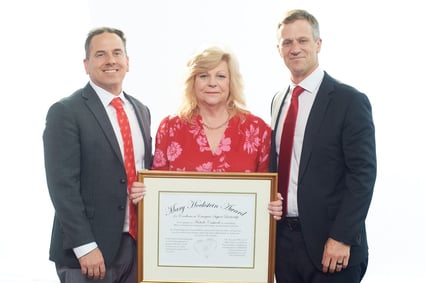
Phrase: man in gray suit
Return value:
(85, 172)
(332, 165)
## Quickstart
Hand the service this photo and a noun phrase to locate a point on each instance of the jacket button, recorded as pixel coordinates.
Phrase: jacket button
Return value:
(123, 181)
(121, 207)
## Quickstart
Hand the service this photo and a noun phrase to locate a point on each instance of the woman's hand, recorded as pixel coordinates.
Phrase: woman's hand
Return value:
(276, 207)
(137, 192)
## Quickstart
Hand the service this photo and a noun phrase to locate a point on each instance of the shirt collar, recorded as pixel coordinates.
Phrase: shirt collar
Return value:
(312, 82)
(105, 96)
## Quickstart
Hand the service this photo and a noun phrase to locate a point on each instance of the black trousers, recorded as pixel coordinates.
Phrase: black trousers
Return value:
(293, 264)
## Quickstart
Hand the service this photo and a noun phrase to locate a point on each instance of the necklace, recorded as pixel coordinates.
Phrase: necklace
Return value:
(219, 126)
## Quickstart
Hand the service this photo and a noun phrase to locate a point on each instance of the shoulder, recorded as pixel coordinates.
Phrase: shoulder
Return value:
(339, 86)
(136, 102)
(341, 90)
(251, 119)
(255, 119)
(76, 100)
(171, 121)
(68, 104)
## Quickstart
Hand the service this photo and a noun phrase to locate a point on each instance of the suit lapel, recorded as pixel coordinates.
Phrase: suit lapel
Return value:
(144, 122)
(277, 105)
(276, 109)
(95, 105)
(314, 122)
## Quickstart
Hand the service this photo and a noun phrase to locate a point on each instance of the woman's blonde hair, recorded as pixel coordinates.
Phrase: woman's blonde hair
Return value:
(203, 61)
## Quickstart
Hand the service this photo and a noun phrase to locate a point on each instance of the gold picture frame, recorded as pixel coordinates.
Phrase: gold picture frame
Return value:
(198, 227)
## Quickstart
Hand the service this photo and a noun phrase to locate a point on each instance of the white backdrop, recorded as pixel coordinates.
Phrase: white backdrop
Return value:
(376, 48)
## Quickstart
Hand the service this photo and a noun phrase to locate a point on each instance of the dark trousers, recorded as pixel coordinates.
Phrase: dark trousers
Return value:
(123, 269)
(293, 264)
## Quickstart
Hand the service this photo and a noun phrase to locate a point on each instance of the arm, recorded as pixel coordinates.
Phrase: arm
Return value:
(62, 164)
(160, 160)
(358, 147)
(264, 149)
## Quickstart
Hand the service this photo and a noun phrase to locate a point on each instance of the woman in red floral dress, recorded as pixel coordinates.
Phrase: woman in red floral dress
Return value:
(242, 145)
(213, 131)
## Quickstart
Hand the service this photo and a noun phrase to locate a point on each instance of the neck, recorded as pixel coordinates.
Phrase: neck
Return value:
(216, 125)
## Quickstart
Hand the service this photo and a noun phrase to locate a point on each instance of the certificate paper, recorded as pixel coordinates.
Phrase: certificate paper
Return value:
(206, 229)
(198, 227)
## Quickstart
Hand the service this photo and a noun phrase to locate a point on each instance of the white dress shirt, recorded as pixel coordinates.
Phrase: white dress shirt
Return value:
(305, 102)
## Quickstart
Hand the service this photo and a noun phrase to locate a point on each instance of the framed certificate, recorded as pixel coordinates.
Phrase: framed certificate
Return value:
(199, 227)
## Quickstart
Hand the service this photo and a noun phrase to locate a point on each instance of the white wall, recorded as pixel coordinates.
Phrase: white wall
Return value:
(377, 48)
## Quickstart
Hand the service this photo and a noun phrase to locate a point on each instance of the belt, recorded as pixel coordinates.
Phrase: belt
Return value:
(292, 223)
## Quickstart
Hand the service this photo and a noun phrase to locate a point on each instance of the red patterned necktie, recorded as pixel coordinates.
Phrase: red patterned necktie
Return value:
(286, 144)
(130, 167)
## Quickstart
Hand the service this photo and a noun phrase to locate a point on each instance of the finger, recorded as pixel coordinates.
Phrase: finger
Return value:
(325, 268)
(137, 194)
(332, 267)
(96, 273)
(102, 270)
(276, 205)
(83, 271)
(325, 265)
(335, 265)
(275, 210)
(90, 273)
(139, 186)
(339, 265)
(137, 200)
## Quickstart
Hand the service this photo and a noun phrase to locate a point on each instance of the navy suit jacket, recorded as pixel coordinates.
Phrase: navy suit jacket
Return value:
(86, 176)
(337, 168)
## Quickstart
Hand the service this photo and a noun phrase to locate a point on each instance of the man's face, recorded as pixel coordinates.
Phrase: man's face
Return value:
(107, 63)
(298, 48)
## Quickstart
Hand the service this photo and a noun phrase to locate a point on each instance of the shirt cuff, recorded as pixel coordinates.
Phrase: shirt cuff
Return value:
(84, 249)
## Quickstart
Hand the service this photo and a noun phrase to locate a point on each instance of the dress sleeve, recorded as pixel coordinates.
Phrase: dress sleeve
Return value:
(160, 161)
(264, 152)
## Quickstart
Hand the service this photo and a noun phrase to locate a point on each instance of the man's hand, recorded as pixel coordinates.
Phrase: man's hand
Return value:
(335, 256)
(93, 265)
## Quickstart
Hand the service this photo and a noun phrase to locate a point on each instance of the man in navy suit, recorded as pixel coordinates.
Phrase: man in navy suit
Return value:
(86, 177)
(322, 237)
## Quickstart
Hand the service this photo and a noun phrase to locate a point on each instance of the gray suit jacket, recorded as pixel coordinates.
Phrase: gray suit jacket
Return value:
(85, 174)
(337, 168)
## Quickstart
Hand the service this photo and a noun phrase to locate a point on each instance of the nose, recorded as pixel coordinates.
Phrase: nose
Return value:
(295, 48)
(110, 58)
(212, 82)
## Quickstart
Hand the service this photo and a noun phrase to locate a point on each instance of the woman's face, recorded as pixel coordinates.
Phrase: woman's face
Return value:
(212, 87)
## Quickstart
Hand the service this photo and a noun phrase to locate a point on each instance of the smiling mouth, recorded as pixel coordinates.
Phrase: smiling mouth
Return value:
(111, 71)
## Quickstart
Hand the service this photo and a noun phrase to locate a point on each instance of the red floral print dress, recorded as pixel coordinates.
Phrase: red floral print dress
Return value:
(181, 146)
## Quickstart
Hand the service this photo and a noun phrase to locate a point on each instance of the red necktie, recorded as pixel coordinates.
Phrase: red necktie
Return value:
(286, 144)
(130, 167)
